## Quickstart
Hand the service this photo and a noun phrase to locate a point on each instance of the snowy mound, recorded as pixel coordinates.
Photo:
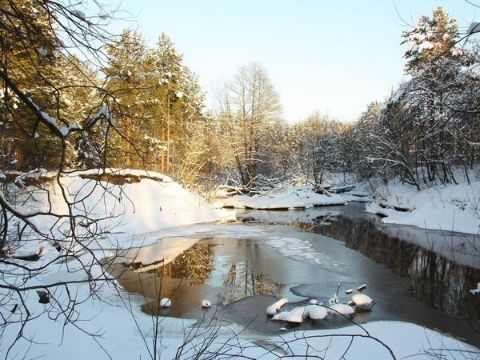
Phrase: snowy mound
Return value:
(443, 207)
(127, 202)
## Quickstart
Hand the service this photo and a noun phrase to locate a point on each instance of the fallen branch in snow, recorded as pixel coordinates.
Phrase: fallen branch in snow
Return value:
(319, 189)
(385, 205)
(341, 189)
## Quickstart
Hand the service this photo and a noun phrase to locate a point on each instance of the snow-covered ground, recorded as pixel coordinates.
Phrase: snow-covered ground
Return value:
(452, 207)
(129, 215)
(158, 208)
(442, 207)
(287, 198)
(373, 341)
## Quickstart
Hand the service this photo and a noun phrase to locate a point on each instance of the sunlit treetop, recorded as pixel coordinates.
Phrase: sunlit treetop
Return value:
(433, 39)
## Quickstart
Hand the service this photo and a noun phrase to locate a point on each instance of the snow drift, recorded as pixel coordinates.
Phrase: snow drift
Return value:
(122, 203)
(442, 207)
(288, 198)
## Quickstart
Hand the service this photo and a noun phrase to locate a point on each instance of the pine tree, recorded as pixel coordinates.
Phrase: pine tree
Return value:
(181, 103)
(57, 82)
(130, 75)
(437, 67)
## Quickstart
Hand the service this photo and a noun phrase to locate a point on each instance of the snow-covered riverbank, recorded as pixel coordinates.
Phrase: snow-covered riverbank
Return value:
(155, 208)
(441, 207)
(452, 207)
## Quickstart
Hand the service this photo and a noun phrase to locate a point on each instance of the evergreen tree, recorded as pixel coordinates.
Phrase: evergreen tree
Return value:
(181, 104)
(437, 69)
(131, 77)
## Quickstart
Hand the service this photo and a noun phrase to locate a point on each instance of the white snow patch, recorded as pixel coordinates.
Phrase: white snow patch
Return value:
(476, 291)
(289, 198)
(444, 207)
(153, 204)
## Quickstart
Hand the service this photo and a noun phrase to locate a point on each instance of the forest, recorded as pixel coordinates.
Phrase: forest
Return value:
(157, 119)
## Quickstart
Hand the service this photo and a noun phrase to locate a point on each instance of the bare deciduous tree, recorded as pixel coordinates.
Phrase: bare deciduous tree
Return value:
(251, 103)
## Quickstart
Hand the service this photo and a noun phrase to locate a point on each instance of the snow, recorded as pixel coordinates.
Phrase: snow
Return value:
(273, 309)
(317, 312)
(298, 314)
(404, 339)
(301, 310)
(165, 302)
(341, 309)
(476, 291)
(34, 174)
(294, 317)
(64, 130)
(155, 203)
(105, 112)
(206, 303)
(42, 51)
(158, 208)
(361, 299)
(362, 287)
(297, 249)
(288, 198)
(443, 207)
(281, 316)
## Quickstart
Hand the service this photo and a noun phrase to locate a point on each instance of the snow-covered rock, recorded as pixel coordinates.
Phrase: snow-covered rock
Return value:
(276, 306)
(281, 316)
(165, 302)
(362, 302)
(301, 310)
(289, 316)
(317, 312)
(361, 299)
(362, 287)
(476, 291)
(294, 318)
(342, 309)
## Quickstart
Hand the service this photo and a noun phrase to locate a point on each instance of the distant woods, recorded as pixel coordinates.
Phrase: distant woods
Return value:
(154, 115)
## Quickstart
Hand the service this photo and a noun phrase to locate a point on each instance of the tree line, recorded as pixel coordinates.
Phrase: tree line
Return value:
(154, 117)
(429, 126)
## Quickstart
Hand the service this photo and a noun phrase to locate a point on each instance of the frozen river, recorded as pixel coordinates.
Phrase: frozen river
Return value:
(302, 255)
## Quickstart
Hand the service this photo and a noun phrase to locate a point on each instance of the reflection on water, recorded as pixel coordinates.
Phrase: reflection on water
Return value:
(194, 264)
(240, 282)
(240, 276)
(198, 272)
(438, 281)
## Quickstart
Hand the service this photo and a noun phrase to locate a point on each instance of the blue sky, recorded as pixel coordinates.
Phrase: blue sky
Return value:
(330, 56)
